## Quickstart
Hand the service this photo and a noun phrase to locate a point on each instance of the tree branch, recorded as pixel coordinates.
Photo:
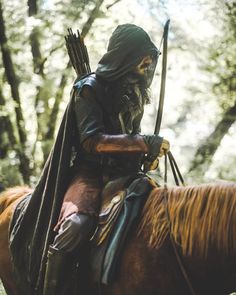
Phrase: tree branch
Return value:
(206, 151)
(94, 14)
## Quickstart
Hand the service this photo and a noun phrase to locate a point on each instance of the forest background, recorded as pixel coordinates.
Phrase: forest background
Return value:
(36, 78)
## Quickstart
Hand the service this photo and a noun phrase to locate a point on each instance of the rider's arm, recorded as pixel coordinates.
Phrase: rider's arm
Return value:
(93, 137)
(88, 114)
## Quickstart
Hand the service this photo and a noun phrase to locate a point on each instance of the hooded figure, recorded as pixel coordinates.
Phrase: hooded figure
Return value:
(127, 47)
(98, 140)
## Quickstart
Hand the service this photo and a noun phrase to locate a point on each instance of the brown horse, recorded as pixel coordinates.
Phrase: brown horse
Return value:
(202, 221)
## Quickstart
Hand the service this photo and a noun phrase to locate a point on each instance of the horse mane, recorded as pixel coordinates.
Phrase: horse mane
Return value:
(11, 194)
(202, 217)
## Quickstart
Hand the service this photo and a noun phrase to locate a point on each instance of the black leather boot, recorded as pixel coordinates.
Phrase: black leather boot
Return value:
(59, 264)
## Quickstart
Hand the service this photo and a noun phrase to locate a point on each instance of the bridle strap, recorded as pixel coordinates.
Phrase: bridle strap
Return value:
(176, 173)
(175, 170)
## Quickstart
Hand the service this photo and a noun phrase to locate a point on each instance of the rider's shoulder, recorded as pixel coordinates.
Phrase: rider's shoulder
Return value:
(90, 80)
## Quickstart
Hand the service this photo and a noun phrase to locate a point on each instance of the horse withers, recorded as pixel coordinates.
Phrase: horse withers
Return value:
(8, 201)
(201, 220)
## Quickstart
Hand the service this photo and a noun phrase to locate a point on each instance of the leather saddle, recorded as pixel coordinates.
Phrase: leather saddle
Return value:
(120, 212)
(112, 199)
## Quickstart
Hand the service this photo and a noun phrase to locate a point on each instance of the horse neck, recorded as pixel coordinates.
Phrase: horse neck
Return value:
(194, 214)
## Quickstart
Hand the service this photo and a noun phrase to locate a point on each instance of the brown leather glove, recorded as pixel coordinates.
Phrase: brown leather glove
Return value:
(158, 147)
(154, 143)
(165, 147)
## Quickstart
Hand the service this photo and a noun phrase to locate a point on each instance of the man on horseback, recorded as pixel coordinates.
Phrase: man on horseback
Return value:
(108, 107)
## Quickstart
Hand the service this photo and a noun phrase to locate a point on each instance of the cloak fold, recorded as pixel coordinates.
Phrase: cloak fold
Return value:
(32, 235)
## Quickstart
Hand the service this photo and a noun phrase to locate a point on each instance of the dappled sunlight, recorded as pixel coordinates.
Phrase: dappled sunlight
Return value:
(195, 98)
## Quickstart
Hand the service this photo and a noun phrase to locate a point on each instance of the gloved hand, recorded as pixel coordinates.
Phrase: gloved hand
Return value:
(165, 147)
(157, 146)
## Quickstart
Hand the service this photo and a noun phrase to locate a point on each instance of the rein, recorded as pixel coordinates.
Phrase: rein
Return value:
(178, 178)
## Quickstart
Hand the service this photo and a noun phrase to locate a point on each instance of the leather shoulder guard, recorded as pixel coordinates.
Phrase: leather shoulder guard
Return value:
(89, 80)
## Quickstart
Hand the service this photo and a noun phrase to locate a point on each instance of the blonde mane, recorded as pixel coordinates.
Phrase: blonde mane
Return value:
(10, 195)
(201, 217)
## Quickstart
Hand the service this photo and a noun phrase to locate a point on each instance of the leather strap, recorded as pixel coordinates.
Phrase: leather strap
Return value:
(175, 172)
(175, 169)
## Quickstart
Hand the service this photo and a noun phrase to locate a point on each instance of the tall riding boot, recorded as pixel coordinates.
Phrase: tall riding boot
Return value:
(59, 264)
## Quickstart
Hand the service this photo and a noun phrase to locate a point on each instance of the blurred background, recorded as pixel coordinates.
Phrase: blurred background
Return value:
(36, 78)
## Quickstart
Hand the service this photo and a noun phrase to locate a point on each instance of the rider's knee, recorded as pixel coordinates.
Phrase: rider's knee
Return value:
(74, 231)
(80, 224)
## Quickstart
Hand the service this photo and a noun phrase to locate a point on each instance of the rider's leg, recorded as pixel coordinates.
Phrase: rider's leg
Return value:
(73, 232)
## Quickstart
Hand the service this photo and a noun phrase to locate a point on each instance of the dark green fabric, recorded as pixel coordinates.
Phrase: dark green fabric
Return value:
(30, 242)
(127, 46)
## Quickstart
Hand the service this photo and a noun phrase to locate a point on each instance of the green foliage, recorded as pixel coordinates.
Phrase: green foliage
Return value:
(223, 56)
(37, 48)
(9, 171)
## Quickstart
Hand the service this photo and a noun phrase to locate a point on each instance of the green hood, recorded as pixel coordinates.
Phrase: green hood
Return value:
(127, 46)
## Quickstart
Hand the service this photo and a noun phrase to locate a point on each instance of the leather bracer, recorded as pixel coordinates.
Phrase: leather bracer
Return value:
(111, 144)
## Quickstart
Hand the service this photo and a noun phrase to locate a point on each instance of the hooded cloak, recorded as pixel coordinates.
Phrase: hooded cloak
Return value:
(127, 46)
(33, 232)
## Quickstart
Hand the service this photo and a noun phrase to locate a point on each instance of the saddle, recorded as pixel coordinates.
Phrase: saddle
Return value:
(107, 217)
(118, 216)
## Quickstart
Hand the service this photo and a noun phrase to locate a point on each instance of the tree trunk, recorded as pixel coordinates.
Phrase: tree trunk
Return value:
(48, 138)
(14, 85)
(6, 128)
(34, 40)
(38, 64)
(33, 8)
(203, 156)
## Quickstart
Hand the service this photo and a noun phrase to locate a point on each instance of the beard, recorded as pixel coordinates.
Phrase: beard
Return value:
(142, 82)
(133, 85)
